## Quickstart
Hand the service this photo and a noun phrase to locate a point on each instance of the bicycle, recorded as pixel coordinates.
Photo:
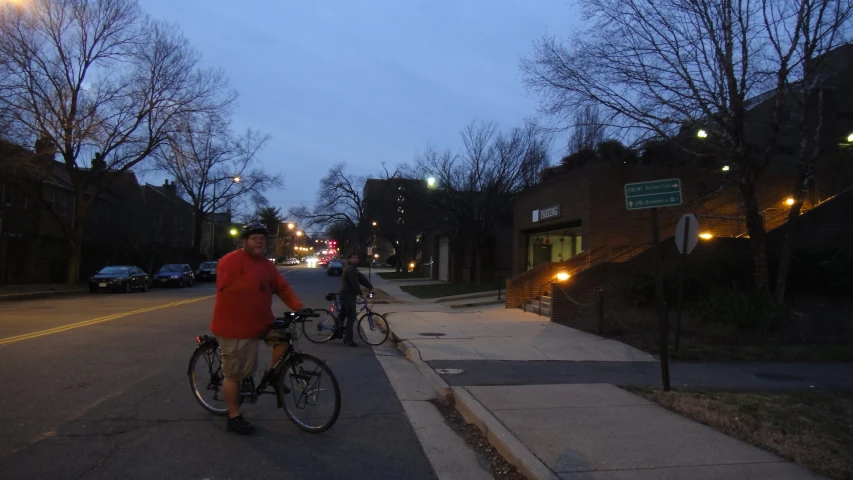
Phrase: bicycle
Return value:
(295, 378)
(372, 327)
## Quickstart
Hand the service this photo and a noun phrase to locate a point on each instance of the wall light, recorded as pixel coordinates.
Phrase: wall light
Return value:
(789, 201)
(702, 134)
(850, 138)
(725, 168)
(562, 276)
(706, 236)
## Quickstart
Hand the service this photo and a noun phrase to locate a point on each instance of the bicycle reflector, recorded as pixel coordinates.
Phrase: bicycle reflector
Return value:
(197, 339)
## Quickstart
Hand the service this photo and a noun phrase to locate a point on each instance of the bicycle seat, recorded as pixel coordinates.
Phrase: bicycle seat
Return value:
(331, 295)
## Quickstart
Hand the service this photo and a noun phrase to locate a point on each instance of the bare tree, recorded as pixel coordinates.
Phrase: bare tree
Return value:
(656, 67)
(213, 167)
(98, 79)
(477, 186)
(340, 203)
(821, 32)
(587, 130)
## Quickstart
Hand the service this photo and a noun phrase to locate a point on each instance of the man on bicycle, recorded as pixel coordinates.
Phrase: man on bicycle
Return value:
(351, 279)
(245, 283)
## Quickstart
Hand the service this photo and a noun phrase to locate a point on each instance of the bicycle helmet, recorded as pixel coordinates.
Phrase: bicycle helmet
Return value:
(253, 228)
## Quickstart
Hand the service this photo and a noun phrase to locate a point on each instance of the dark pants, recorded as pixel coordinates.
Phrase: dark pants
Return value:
(348, 312)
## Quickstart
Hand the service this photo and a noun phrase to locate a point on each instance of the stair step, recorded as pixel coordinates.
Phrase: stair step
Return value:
(545, 312)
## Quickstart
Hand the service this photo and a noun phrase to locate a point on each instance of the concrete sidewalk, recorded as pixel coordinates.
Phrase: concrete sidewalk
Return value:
(578, 431)
(500, 334)
(34, 292)
(601, 432)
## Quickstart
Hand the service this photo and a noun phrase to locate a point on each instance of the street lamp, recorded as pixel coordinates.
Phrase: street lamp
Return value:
(431, 182)
(233, 232)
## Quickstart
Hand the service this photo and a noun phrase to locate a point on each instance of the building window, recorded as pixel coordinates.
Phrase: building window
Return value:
(552, 246)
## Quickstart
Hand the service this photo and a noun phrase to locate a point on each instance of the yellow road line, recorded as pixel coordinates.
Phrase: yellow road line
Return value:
(86, 323)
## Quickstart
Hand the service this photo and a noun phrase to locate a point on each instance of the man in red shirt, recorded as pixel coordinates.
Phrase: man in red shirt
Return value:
(245, 282)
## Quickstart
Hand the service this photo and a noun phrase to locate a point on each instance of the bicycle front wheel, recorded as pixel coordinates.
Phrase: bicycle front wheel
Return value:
(320, 329)
(206, 378)
(373, 328)
(314, 400)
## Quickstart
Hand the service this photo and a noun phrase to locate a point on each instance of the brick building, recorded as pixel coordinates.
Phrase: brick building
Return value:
(577, 221)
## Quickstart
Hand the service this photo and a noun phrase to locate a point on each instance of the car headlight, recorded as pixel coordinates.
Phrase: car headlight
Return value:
(174, 276)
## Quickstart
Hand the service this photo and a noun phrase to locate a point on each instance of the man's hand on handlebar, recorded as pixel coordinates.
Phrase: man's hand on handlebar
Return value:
(306, 312)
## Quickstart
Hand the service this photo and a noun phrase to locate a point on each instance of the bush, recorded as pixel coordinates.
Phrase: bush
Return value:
(827, 272)
(737, 307)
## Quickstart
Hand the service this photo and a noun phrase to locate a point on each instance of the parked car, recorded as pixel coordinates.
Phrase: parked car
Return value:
(177, 274)
(291, 261)
(206, 271)
(336, 267)
(117, 278)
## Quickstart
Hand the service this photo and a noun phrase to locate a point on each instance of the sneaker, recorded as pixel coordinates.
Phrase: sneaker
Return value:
(239, 425)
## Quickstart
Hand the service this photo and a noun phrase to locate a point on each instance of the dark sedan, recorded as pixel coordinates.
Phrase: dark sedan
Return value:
(206, 271)
(336, 267)
(175, 274)
(119, 278)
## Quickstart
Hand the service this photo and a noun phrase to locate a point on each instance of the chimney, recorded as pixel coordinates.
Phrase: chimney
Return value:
(170, 187)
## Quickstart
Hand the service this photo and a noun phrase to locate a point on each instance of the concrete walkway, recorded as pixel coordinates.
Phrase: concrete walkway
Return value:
(578, 431)
(501, 334)
(601, 432)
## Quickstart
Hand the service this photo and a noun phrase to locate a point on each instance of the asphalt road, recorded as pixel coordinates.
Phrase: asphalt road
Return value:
(98, 394)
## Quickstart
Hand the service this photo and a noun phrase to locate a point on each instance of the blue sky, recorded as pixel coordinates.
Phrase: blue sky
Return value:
(365, 82)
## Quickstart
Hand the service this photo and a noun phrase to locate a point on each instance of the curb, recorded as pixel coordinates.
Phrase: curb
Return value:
(507, 445)
(39, 295)
(414, 355)
(510, 447)
(472, 296)
(477, 304)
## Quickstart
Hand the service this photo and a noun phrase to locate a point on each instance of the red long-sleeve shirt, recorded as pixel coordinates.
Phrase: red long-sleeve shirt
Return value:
(244, 288)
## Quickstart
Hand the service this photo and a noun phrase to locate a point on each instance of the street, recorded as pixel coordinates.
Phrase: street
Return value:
(95, 386)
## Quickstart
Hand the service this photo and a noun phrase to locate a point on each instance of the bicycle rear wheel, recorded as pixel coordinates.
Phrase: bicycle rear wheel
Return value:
(373, 328)
(320, 329)
(314, 401)
(206, 378)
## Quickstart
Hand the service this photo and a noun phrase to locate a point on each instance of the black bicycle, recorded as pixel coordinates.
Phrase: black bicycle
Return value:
(372, 326)
(297, 379)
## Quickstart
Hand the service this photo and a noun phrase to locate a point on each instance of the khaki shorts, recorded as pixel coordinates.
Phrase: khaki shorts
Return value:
(240, 355)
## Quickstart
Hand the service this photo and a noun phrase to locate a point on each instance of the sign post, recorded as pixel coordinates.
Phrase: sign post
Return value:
(686, 238)
(653, 195)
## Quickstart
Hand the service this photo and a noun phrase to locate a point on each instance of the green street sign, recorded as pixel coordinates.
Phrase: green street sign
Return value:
(653, 194)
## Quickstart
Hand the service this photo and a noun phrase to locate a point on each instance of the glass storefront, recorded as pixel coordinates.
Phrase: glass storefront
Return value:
(553, 246)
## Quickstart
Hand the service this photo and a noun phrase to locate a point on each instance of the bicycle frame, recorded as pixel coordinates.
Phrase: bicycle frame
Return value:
(336, 307)
(256, 391)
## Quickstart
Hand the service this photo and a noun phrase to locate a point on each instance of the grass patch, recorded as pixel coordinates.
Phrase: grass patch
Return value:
(399, 275)
(814, 430)
(438, 290)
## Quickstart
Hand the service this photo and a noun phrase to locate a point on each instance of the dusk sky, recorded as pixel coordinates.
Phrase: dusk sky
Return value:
(365, 82)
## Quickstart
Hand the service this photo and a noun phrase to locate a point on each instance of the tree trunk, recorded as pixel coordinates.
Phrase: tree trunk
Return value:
(75, 260)
(757, 237)
(198, 223)
(788, 247)
(478, 264)
(804, 177)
